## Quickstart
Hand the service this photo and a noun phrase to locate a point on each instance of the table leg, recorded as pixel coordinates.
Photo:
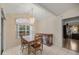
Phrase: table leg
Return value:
(28, 49)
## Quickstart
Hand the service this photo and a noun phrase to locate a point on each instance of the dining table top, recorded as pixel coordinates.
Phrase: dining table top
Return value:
(28, 38)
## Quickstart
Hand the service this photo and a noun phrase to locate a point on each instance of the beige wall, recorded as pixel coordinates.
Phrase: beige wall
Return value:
(10, 31)
(48, 26)
(36, 26)
(51, 24)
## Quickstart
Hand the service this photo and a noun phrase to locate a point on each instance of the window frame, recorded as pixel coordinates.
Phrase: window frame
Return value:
(18, 30)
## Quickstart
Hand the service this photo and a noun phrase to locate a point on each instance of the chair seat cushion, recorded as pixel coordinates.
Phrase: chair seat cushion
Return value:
(36, 45)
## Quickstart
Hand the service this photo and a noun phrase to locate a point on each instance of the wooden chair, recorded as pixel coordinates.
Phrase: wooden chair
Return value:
(24, 43)
(37, 44)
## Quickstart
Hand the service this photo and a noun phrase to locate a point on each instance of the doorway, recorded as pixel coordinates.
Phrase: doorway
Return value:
(71, 33)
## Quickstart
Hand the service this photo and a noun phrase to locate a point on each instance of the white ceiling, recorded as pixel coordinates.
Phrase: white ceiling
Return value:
(24, 8)
(39, 10)
(58, 8)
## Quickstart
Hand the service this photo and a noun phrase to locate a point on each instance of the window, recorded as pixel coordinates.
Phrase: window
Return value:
(22, 29)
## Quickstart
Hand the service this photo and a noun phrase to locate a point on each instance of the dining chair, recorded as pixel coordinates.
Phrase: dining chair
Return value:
(37, 44)
(24, 43)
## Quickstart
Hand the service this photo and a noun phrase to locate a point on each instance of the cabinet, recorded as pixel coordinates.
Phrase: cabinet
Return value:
(47, 39)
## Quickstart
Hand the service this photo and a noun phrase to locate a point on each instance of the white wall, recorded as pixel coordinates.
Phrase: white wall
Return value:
(58, 31)
(48, 25)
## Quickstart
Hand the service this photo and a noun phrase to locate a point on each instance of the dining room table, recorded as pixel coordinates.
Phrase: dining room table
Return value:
(29, 40)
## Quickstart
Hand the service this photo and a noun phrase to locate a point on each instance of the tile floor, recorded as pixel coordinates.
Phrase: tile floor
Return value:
(53, 50)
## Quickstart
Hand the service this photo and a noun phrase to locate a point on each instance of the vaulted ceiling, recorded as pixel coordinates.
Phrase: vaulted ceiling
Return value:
(58, 8)
(23, 8)
(38, 9)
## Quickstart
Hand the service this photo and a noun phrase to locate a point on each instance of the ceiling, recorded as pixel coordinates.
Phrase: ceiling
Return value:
(58, 8)
(40, 10)
(24, 8)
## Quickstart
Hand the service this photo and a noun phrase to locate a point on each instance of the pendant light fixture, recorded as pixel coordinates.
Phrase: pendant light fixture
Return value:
(32, 19)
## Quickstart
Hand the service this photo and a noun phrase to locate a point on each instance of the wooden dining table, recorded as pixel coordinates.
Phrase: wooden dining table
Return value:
(29, 40)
